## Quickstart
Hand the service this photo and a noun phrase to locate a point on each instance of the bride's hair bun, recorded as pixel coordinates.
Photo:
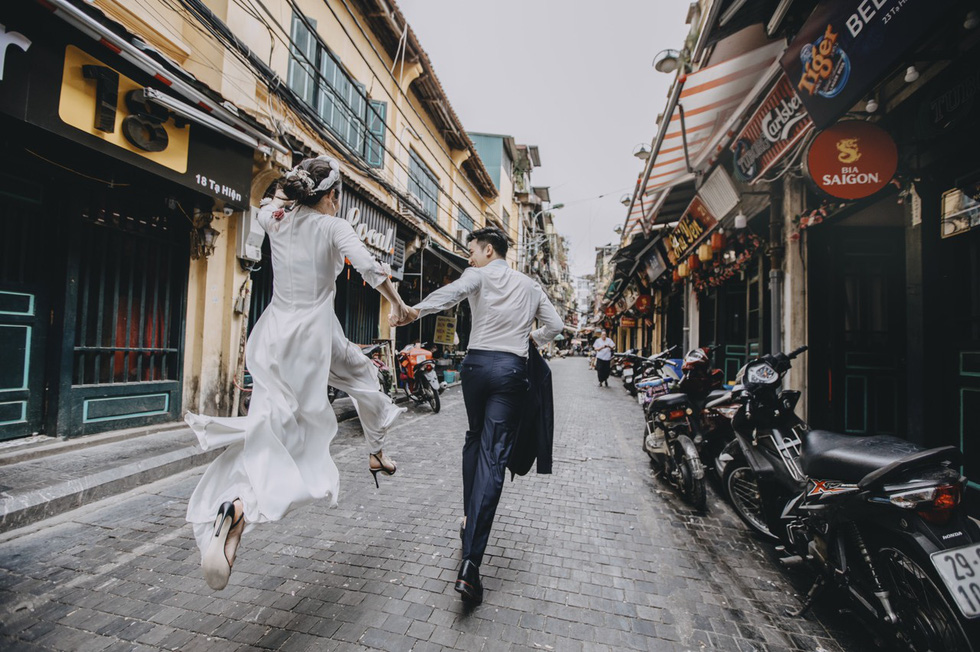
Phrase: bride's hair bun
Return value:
(309, 181)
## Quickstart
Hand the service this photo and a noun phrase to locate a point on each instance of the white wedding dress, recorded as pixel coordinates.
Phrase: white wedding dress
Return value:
(278, 457)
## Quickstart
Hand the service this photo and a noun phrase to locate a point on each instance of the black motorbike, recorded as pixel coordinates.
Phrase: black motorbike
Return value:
(878, 518)
(682, 436)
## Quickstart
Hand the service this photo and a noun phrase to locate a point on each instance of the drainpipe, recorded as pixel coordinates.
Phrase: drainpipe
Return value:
(776, 264)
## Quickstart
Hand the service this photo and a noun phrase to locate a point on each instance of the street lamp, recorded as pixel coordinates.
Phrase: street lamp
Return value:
(625, 200)
(534, 235)
(667, 61)
(641, 152)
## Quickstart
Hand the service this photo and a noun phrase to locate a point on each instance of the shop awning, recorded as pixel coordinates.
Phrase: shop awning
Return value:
(456, 262)
(707, 100)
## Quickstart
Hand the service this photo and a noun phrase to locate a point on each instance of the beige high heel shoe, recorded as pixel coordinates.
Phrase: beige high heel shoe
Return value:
(218, 559)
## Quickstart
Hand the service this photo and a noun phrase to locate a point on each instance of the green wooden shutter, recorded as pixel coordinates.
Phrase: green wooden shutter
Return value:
(375, 143)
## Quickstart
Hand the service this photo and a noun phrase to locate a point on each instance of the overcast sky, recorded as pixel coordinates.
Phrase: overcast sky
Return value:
(574, 78)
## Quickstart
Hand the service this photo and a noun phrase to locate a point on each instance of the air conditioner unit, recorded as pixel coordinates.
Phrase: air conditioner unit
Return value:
(250, 236)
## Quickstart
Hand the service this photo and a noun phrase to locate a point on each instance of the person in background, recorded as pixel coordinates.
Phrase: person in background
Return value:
(604, 348)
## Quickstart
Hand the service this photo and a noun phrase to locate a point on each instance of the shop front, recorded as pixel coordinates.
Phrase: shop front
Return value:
(446, 334)
(98, 200)
(730, 289)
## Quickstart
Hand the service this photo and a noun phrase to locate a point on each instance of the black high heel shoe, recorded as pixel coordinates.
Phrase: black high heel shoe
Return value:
(381, 469)
(215, 564)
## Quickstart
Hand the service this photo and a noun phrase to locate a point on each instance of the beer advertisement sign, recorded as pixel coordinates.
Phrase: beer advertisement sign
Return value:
(778, 124)
(695, 224)
(852, 159)
(845, 47)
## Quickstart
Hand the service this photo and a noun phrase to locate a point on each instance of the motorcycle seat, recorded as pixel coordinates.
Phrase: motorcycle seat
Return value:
(849, 458)
(669, 401)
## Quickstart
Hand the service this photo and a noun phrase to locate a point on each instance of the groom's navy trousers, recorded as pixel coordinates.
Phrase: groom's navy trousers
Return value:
(495, 386)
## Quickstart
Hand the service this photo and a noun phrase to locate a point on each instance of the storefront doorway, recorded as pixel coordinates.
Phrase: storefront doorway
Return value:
(93, 285)
(857, 342)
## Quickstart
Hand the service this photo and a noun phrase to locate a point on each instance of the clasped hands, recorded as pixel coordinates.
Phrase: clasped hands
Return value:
(402, 315)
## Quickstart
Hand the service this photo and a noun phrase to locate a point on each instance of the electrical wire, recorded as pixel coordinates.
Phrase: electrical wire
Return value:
(303, 109)
(111, 184)
(298, 13)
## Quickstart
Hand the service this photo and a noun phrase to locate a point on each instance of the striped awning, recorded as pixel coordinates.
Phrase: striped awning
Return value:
(708, 99)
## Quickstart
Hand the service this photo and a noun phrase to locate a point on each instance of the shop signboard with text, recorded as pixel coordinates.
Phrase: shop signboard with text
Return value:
(64, 82)
(778, 124)
(693, 227)
(852, 159)
(846, 46)
(445, 332)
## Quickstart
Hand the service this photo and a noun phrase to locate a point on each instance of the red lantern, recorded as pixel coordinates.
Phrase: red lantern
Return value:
(717, 241)
(693, 262)
(676, 276)
(610, 311)
(643, 303)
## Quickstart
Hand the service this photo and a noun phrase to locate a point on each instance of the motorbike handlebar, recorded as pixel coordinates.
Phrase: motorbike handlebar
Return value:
(797, 351)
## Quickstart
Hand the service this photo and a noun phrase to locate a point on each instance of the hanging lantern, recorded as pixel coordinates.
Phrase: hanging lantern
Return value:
(718, 240)
(693, 262)
(706, 253)
(682, 270)
(676, 276)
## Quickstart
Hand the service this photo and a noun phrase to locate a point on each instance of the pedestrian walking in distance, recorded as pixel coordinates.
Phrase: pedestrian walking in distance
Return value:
(604, 348)
(505, 304)
(278, 456)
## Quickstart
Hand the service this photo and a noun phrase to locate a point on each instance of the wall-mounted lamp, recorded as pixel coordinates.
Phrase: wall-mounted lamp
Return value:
(972, 19)
(911, 74)
(740, 220)
(667, 61)
(871, 105)
(203, 235)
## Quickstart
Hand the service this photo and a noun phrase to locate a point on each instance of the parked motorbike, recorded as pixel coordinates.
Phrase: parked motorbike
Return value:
(386, 381)
(417, 375)
(616, 365)
(877, 518)
(681, 437)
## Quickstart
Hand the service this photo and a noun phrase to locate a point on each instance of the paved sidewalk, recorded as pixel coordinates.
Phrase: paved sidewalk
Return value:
(598, 556)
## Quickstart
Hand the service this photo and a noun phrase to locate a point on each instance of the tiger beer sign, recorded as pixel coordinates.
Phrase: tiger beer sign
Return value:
(852, 160)
(846, 46)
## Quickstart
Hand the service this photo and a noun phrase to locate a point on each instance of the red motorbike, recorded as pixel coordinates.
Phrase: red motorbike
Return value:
(417, 375)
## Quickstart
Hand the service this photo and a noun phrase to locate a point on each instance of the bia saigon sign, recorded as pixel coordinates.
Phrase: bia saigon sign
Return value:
(852, 160)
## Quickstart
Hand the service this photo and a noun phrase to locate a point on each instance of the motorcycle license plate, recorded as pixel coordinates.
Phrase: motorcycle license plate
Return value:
(419, 359)
(628, 373)
(960, 571)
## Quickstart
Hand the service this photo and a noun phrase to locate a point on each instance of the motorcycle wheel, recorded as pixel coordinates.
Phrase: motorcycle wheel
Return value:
(692, 488)
(742, 489)
(928, 617)
(432, 395)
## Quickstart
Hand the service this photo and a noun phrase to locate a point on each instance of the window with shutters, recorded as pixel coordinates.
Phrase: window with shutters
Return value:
(315, 74)
(464, 225)
(424, 185)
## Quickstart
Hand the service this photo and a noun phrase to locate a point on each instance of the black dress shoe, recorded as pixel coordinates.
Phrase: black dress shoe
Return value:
(468, 583)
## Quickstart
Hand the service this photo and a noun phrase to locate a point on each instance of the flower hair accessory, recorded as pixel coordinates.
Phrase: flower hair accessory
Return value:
(303, 176)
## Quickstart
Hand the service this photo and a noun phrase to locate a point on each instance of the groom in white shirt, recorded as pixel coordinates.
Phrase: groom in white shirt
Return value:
(505, 304)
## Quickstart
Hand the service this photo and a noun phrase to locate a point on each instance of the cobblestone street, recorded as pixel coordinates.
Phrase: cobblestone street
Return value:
(599, 556)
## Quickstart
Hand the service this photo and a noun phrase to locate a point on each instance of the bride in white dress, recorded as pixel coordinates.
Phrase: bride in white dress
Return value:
(278, 457)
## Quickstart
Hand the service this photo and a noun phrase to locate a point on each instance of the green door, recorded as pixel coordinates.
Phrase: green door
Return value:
(23, 308)
(857, 332)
